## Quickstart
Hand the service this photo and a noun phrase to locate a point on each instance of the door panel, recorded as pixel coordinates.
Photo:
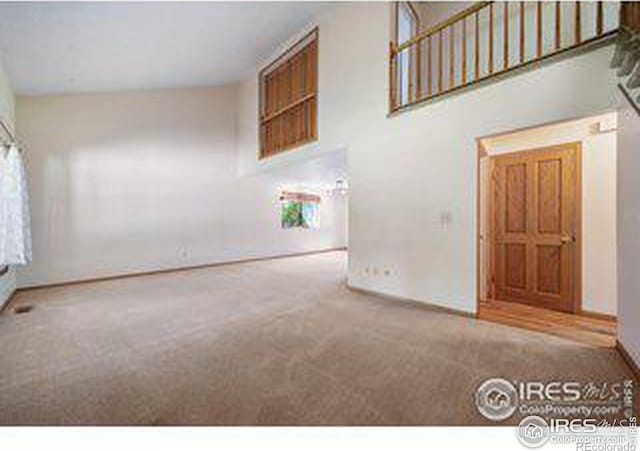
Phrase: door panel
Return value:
(516, 194)
(515, 255)
(537, 203)
(548, 264)
(549, 196)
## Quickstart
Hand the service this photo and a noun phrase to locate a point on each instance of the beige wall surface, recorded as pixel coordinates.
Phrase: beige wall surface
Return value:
(599, 275)
(412, 177)
(137, 181)
(629, 230)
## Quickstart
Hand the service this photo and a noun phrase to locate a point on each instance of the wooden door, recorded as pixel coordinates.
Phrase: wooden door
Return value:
(536, 216)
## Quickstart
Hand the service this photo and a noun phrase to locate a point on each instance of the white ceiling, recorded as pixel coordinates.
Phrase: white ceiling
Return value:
(56, 47)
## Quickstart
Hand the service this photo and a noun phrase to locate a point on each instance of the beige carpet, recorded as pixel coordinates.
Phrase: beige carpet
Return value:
(271, 342)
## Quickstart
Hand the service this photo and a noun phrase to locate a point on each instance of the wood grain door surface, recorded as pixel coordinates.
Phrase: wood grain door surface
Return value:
(536, 221)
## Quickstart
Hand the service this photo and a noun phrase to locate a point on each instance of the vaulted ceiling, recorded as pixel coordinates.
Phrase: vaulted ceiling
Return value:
(63, 47)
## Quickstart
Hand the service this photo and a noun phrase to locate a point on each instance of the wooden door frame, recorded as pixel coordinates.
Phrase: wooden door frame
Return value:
(481, 152)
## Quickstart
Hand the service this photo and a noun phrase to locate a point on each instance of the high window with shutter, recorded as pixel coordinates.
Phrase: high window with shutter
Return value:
(288, 98)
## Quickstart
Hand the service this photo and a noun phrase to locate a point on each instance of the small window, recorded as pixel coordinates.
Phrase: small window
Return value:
(300, 210)
(288, 98)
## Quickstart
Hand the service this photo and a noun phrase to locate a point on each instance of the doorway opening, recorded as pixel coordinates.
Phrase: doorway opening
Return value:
(547, 230)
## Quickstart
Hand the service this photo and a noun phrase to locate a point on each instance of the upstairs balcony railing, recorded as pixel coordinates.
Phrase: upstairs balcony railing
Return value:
(490, 39)
(626, 58)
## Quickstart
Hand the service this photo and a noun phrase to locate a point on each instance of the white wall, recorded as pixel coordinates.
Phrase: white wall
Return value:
(599, 279)
(629, 231)
(138, 181)
(408, 172)
(8, 281)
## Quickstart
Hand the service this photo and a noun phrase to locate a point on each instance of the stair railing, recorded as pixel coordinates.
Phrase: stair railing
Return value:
(626, 58)
(488, 40)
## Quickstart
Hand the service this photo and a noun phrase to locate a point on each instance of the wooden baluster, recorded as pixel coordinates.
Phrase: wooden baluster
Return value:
(558, 26)
(522, 32)
(392, 77)
(403, 96)
(419, 69)
(439, 61)
(599, 19)
(400, 75)
(464, 51)
(410, 76)
(429, 59)
(452, 57)
(505, 20)
(490, 38)
(577, 23)
(539, 29)
(476, 60)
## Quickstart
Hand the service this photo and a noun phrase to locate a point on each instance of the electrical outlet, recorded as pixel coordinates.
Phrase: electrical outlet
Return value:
(184, 254)
(387, 272)
(446, 218)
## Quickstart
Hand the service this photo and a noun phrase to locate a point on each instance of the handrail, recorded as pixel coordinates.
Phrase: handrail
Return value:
(491, 38)
(629, 98)
(442, 25)
(626, 57)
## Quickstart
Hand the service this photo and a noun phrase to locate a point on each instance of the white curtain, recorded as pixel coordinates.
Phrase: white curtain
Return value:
(15, 230)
